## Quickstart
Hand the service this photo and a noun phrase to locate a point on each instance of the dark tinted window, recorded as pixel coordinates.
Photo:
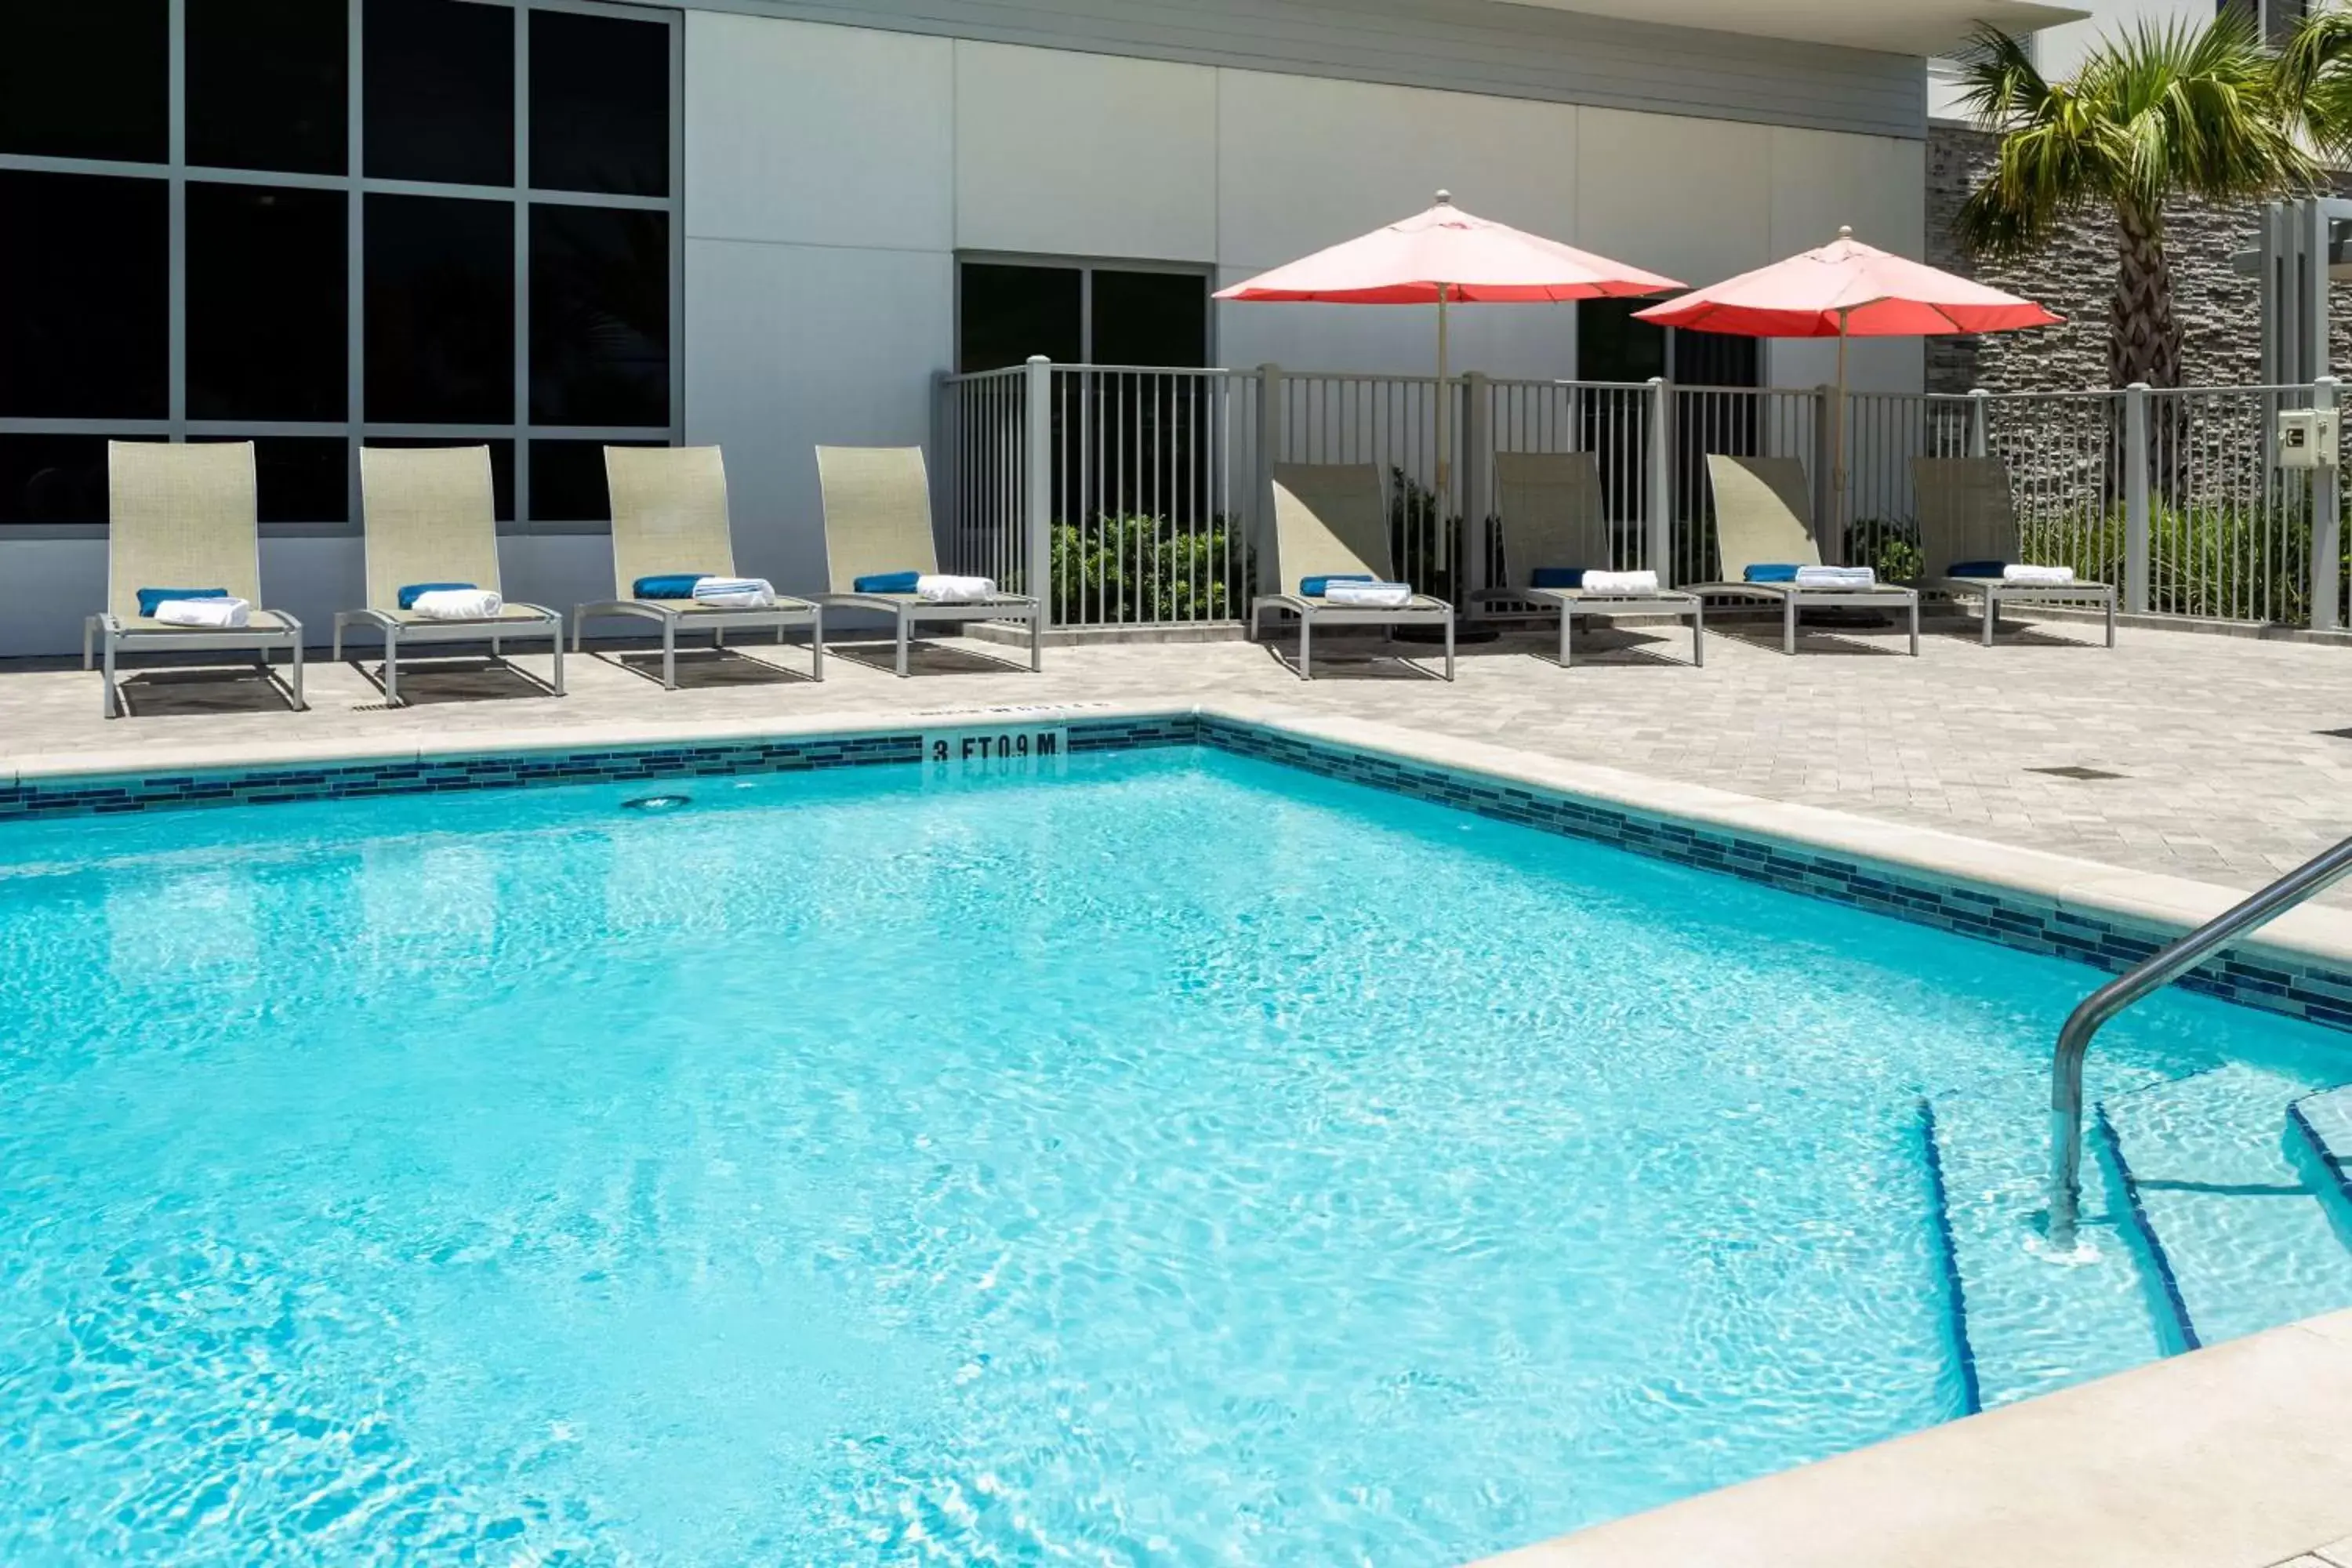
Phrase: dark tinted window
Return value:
(1008, 313)
(439, 100)
(301, 478)
(86, 78)
(266, 85)
(84, 297)
(567, 480)
(52, 478)
(599, 316)
(502, 465)
(599, 105)
(1716, 359)
(1613, 346)
(1150, 318)
(440, 311)
(267, 337)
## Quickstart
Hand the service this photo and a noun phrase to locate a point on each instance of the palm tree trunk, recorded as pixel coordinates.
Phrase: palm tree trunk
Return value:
(2143, 337)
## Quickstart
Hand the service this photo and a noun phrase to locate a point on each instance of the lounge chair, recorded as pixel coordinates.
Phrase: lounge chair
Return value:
(1554, 515)
(1331, 519)
(671, 520)
(877, 523)
(1966, 514)
(431, 520)
(184, 516)
(1762, 518)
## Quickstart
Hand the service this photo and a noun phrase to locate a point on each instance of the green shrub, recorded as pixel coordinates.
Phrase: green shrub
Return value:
(1888, 545)
(1134, 570)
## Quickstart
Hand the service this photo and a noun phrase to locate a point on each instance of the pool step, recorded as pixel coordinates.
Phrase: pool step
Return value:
(2324, 1123)
(2227, 1193)
(2026, 1323)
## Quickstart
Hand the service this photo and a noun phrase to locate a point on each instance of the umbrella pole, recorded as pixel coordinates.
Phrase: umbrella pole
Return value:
(1444, 414)
(1837, 448)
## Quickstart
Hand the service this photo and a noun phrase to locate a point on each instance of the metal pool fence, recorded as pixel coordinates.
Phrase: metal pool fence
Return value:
(1138, 496)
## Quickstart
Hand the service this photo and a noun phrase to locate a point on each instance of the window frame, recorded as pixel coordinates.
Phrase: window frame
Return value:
(356, 429)
(1086, 267)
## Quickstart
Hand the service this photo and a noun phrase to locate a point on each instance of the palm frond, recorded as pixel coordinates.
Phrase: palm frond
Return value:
(2312, 79)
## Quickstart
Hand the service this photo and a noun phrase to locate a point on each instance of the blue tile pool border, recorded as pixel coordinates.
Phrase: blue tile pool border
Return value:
(2269, 980)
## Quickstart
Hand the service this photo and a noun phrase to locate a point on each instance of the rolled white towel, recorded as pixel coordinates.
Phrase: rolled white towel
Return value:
(735, 592)
(937, 588)
(216, 615)
(1836, 577)
(2039, 576)
(1621, 582)
(458, 604)
(1368, 596)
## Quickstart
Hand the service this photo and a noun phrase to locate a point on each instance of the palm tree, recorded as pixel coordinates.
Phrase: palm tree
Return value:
(2158, 112)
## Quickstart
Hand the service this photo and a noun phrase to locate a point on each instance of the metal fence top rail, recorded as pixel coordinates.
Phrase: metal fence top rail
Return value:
(966, 377)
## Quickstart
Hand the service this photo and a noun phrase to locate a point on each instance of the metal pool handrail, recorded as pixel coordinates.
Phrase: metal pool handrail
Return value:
(2158, 970)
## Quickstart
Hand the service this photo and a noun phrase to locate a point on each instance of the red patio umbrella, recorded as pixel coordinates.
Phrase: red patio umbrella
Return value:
(1446, 255)
(1847, 290)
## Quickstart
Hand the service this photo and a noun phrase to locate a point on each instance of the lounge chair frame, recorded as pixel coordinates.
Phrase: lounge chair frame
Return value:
(878, 520)
(183, 515)
(1331, 519)
(1966, 513)
(432, 518)
(1763, 515)
(670, 514)
(1554, 512)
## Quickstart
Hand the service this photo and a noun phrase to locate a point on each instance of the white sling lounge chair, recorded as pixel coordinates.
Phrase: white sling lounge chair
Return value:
(671, 520)
(877, 523)
(1762, 517)
(1966, 514)
(1554, 515)
(184, 516)
(1331, 520)
(431, 518)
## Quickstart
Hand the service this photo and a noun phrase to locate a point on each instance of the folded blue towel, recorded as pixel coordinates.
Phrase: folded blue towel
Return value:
(151, 597)
(1312, 587)
(889, 583)
(1978, 568)
(668, 586)
(1559, 577)
(415, 591)
(1773, 572)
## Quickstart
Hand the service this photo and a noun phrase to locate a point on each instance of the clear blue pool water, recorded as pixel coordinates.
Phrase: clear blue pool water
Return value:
(1185, 1161)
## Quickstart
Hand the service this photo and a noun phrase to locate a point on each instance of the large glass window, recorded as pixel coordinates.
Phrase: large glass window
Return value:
(366, 252)
(85, 296)
(268, 284)
(1076, 312)
(86, 78)
(267, 84)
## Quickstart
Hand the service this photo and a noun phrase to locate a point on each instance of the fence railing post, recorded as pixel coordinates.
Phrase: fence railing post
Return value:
(1979, 422)
(1269, 452)
(1661, 481)
(1477, 465)
(1037, 485)
(2138, 522)
(2327, 523)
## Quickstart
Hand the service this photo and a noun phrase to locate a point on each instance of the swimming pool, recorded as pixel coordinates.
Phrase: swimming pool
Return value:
(1184, 1159)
